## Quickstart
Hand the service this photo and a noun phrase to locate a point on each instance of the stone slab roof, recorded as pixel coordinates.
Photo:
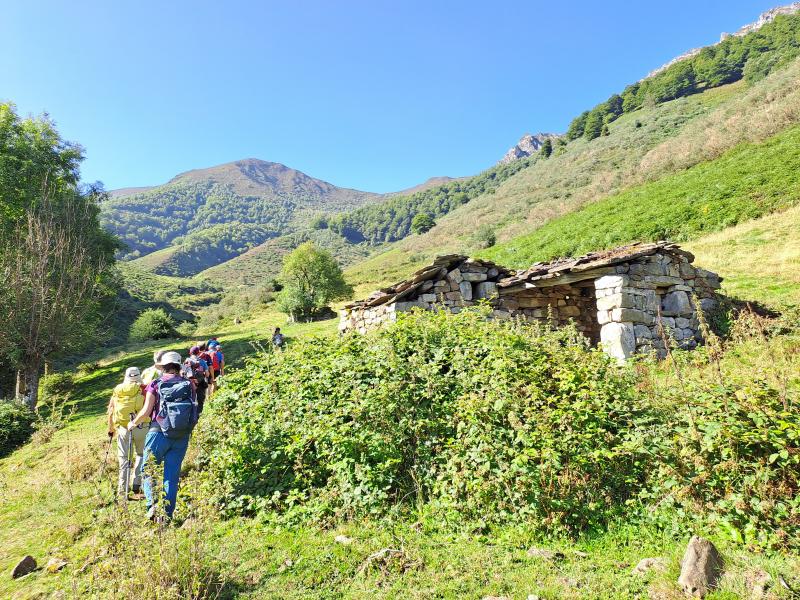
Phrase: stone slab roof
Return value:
(438, 270)
(558, 269)
(542, 274)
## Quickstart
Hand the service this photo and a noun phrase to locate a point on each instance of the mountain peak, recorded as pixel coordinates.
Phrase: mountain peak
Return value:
(527, 145)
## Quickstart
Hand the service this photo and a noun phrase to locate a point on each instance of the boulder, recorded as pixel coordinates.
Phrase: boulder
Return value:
(466, 290)
(23, 567)
(545, 553)
(757, 583)
(649, 564)
(474, 277)
(701, 568)
(54, 565)
(343, 539)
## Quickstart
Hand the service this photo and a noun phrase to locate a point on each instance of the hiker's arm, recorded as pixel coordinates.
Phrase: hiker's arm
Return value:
(149, 401)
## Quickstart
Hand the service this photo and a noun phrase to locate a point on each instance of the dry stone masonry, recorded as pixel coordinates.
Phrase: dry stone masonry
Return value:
(628, 300)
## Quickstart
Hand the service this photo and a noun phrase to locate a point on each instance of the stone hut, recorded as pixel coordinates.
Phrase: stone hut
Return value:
(625, 299)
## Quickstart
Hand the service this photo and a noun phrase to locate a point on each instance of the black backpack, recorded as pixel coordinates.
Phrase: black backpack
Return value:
(194, 370)
(178, 410)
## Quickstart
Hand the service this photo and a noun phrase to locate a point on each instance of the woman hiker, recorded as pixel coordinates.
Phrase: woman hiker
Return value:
(127, 400)
(171, 407)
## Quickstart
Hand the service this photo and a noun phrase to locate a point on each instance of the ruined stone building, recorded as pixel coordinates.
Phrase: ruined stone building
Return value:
(622, 299)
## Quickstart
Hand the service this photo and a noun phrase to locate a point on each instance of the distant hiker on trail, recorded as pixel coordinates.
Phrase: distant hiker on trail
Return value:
(205, 354)
(278, 339)
(152, 372)
(197, 369)
(127, 400)
(217, 363)
(171, 407)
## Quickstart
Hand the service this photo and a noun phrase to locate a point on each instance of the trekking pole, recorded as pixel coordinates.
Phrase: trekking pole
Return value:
(105, 460)
(132, 416)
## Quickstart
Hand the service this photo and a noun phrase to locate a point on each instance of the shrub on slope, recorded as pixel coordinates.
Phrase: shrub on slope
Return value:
(480, 419)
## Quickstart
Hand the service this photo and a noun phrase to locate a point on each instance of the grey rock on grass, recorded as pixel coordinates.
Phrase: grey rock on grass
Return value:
(701, 568)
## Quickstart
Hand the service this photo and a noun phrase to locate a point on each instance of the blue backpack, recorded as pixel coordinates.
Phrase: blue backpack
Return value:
(177, 411)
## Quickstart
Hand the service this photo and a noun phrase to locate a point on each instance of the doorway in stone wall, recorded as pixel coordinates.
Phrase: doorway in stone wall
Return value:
(584, 297)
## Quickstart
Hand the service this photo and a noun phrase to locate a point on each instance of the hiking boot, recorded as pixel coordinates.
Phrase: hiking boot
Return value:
(151, 514)
(136, 496)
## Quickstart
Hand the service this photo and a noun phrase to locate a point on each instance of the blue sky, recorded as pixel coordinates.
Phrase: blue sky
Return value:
(375, 94)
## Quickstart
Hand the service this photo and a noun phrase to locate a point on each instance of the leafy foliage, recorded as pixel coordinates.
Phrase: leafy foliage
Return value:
(17, 422)
(481, 419)
(422, 222)
(311, 280)
(152, 324)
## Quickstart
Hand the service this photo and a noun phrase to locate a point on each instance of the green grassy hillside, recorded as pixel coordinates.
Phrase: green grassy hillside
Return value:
(744, 183)
(759, 259)
(261, 264)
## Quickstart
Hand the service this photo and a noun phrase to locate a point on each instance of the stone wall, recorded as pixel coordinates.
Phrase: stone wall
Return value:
(652, 298)
(464, 284)
(627, 307)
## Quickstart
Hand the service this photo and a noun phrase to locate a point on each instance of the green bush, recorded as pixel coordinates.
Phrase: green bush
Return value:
(477, 419)
(16, 425)
(56, 386)
(152, 324)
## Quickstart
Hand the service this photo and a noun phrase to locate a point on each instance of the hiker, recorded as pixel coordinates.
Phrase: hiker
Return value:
(197, 369)
(153, 371)
(171, 407)
(217, 363)
(278, 339)
(205, 354)
(127, 400)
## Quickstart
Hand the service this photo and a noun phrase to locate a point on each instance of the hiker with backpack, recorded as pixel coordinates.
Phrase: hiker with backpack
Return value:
(197, 369)
(217, 362)
(206, 355)
(127, 400)
(278, 339)
(171, 407)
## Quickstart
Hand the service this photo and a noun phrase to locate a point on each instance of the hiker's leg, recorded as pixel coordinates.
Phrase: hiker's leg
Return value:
(201, 399)
(154, 448)
(172, 471)
(122, 459)
(139, 436)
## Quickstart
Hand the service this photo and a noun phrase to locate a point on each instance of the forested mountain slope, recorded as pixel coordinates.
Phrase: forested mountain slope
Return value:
(229, 207)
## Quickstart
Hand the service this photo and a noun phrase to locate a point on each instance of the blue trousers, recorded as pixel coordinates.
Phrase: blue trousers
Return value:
(170, 452)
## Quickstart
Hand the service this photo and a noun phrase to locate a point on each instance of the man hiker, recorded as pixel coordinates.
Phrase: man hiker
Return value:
(127, 400)
(277, 339)
(197, 369)
(153, 371)
(171, 406)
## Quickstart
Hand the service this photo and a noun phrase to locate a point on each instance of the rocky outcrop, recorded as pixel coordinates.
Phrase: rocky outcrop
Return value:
(763, 19)
(527, 145)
